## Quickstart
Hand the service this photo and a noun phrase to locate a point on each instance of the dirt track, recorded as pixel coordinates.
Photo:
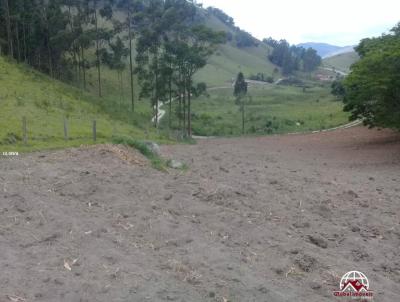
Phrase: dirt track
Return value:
(254, 219)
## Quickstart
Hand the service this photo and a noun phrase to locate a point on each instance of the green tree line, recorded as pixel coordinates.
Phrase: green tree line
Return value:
(292, 58)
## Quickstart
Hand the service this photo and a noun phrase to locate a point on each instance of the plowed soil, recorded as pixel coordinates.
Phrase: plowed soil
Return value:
(252, 219)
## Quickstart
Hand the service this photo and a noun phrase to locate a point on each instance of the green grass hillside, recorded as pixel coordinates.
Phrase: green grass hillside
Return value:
(229, 60)
(46, 102)
(222, 67)
(270, 109)
(342, 62)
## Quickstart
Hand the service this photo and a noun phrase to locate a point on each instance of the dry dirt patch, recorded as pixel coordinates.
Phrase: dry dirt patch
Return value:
(254, 219)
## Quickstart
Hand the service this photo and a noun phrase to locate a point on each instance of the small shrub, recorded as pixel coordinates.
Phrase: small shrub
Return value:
(11, 139)
(43, 104)
(20, 102)
(289, 122)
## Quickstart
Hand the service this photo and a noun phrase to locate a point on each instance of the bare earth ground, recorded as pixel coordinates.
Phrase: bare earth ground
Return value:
(254, 219)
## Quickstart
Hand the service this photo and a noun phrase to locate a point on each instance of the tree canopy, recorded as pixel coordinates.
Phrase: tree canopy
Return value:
(372, 90)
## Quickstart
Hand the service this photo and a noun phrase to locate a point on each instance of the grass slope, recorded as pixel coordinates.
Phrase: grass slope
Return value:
(45, 103)
(222, 67)
(342, 61)
(229, 60)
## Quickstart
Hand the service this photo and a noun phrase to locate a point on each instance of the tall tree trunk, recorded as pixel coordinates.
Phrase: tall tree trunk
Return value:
(156, 107)
(242, 116)
(24, 37)
(78, 66)
(75, 50)
(170, 102)
(189, 107)
(97, 47)
(121, 89)
(18, 43)
(8, 26)
(184, 108)
(130, 57)
(180, 109)
(49, 55)
(156, 85)
(70, 16)
(83, 68)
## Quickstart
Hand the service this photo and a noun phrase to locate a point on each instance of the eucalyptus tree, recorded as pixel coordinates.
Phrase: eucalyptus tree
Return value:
(190, 45)
(7, 18)
(130, 8)
(103, 8)
(151, 29)
(201, 43)
(115, 59)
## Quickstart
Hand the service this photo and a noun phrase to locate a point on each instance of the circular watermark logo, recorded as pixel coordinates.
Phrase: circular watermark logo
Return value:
(354, 284)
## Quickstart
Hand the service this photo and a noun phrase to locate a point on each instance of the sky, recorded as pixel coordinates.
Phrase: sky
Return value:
(337, 22)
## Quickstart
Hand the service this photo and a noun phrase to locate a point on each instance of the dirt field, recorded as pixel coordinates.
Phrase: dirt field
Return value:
(255, 219)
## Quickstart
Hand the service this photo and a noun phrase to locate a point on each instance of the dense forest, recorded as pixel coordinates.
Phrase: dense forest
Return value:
(65, 38)
(292, 58)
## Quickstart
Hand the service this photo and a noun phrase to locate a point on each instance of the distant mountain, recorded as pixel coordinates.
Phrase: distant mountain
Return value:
(327, 50)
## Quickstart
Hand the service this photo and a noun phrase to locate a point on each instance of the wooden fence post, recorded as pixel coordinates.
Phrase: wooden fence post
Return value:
(65, 129)
(94, 131)
(24, 131)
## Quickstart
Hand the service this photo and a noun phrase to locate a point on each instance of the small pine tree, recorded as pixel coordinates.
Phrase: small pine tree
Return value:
(240, 92)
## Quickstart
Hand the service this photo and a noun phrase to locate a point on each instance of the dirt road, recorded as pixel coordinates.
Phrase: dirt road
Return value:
(254, 219)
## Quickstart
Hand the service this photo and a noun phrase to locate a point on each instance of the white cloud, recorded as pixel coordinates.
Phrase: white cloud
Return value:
(340, 22)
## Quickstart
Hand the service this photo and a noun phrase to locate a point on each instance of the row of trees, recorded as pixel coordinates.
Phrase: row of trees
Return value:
(371, 91)
(171, 48)
(292, 58)
(59, 37)
(65, 38)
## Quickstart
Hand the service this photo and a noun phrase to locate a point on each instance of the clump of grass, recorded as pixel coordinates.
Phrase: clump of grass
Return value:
(156, 161)
(184, 167)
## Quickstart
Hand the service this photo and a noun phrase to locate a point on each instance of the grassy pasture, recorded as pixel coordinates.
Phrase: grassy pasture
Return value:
(270, 109)
(46, 102)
